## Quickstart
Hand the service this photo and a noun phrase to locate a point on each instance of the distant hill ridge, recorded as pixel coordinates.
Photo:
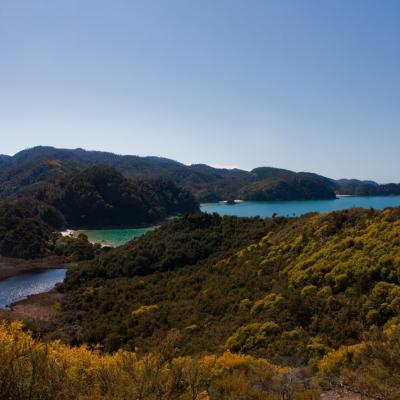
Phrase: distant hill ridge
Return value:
(208, 184)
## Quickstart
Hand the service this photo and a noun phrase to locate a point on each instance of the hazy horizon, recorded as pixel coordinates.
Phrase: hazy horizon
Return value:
(305, 86)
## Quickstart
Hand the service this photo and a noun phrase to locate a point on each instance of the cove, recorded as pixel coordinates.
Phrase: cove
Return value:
(115, 237)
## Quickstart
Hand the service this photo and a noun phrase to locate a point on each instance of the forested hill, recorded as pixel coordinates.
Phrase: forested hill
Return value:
(366, 188)
(97, 197)
(208, 184)
(102, 197)
(4, 159)
(292, 290)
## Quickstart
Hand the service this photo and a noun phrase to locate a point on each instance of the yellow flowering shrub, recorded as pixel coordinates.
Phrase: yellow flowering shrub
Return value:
(33, 370)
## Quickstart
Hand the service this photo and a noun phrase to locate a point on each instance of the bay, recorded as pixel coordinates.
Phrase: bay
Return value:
(115, 237)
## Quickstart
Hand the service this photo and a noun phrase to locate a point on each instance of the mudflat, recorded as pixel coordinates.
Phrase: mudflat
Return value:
(38, 307)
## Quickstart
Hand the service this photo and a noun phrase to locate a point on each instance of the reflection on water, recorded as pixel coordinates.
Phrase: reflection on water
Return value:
(20, 287)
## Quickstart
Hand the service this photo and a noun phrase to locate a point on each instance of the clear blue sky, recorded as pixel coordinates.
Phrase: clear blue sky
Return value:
(301, 84)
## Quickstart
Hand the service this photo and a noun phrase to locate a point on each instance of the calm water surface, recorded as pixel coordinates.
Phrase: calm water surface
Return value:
(20, 287)
(115, 237)
(296, 208)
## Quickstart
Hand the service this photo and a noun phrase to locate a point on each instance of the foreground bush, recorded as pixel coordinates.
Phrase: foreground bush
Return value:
(30, 369)
(371, 367)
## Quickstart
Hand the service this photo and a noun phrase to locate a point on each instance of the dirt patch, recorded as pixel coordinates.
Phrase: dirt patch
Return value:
(38, 307)
(341, 395)
(15, 266)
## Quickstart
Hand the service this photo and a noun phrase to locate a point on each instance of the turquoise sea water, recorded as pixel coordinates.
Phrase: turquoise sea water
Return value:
(115, 237)
(296, 208)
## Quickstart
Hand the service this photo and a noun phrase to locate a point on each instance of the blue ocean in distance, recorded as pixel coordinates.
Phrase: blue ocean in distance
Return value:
(297, 208)
(117, 237)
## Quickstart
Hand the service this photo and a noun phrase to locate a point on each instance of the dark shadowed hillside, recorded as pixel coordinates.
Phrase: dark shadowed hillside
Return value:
(366, 188)
(102, 197)
(31, 173)
(96, 197)
(27, 232)
(4, 158)
(271, 184)
(206, 183)
(23, 230)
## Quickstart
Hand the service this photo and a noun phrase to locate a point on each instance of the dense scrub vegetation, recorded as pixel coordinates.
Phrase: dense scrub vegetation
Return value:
(102, 197)
(307, 287)
(96, 197)
(235, 308)
(23, 231)
(32, 370)
(371, 367)
(75, 248)
(27, 231)
(179, 243)
(30, 174)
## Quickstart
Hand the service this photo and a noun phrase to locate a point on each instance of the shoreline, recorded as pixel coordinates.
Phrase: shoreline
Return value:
(36, 307)
(10, 267)
(102, 242)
